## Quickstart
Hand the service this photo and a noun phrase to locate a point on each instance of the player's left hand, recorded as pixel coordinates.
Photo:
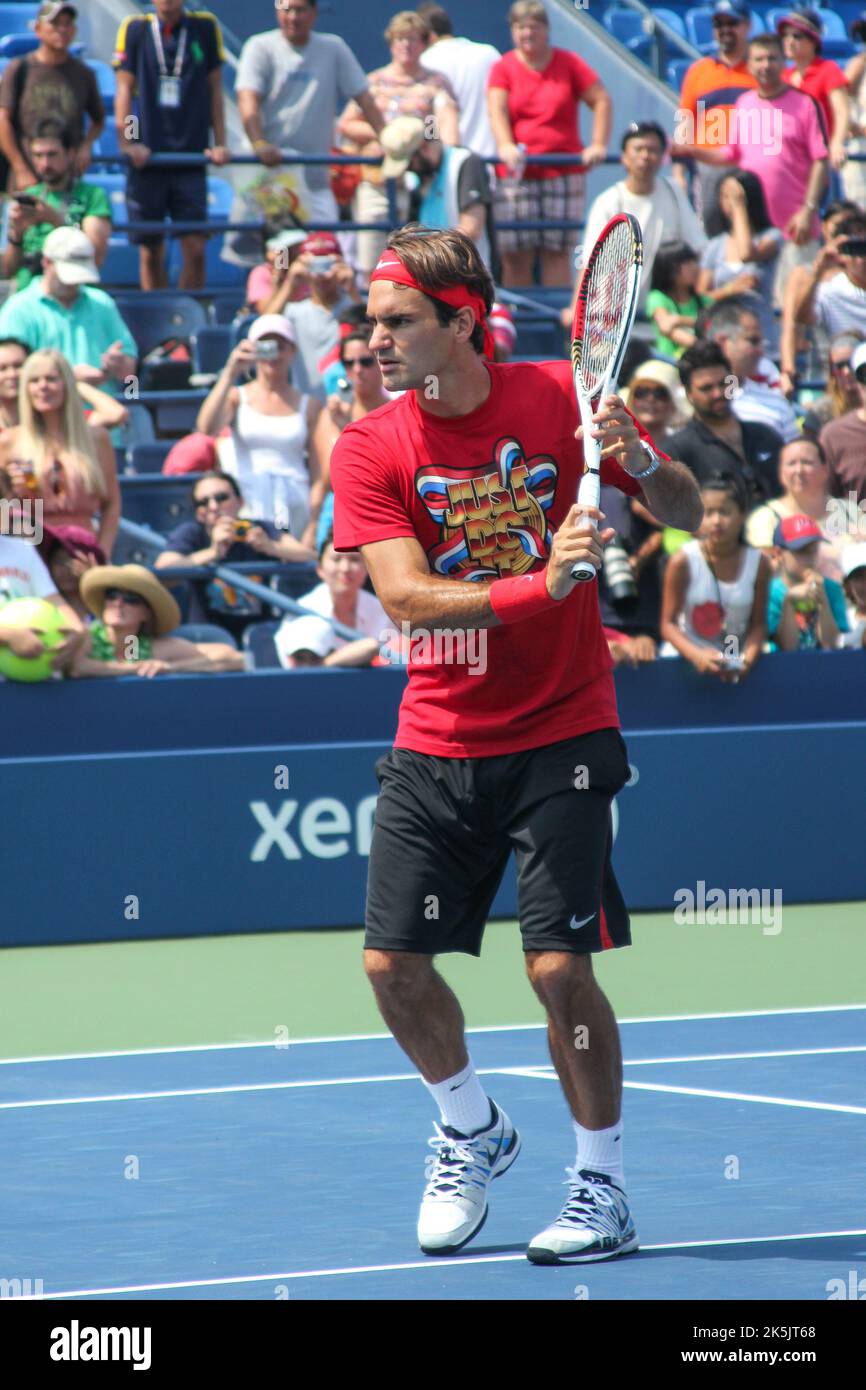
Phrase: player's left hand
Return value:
(618, 435)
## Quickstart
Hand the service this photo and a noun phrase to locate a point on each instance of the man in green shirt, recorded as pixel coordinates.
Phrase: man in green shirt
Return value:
(59, 199)
(61, 309)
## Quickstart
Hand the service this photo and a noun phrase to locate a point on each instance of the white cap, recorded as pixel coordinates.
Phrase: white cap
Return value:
(853, 556)
(267, 324)
(73, 255)
(308, 634)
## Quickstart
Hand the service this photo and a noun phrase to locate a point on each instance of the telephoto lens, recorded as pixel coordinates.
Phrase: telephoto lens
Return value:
(621, 586)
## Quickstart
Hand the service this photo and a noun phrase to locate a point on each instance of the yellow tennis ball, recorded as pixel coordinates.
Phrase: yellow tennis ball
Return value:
(42, 617)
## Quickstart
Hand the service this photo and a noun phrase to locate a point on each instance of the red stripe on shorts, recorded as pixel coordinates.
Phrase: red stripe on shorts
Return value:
(606, 939)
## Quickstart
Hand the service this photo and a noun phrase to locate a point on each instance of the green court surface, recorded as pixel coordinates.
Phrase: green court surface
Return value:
(120, 995)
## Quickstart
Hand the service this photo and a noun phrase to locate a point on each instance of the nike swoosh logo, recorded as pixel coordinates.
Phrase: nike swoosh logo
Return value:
(574, 924)
(459, 1084)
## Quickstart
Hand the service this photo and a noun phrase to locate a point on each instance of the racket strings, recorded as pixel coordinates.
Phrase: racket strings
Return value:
(606, 292)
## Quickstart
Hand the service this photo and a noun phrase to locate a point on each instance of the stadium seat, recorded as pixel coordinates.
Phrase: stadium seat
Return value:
(107, 142)
(211, 347)
(148, 458)
(671, 18)
(14, 45)
(677, 69)
(129, 551)
(204, 632)
(16, 19)
(242, 326)
(295, 581)
(105, 81)
(624, 25)
(157, 501)
(257, 641)
(220, 196)
(699, 28)
(225, 308)
(153, 323)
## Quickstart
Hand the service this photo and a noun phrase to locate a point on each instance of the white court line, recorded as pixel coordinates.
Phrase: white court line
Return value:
(378, 1037)
(739, 1095)
(542, 1070)
(430, 1263)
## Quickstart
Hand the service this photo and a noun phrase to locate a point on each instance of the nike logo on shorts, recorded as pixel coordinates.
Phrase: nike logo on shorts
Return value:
(574, 924)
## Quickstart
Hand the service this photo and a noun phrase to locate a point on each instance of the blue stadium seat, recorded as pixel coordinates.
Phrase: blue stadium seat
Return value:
(225, 308)
(211, 347)
(128, 551)
(242, 326)
(699, 27)
(107, 142)
(157, 501)
(15, 19)
(677, 69)
(296, 581)
(14, 45)
(148, 458)
(204, 632)
(218, 272)
(153, 323)
(105, 81)
(671, 18)
(258, 641)
(624, 25)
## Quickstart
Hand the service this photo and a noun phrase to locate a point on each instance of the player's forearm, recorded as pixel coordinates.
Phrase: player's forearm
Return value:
(425, 601)
(673, 497)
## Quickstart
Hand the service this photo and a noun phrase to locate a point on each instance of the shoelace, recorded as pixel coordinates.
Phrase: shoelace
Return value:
(589, 1204)
(452, 1165)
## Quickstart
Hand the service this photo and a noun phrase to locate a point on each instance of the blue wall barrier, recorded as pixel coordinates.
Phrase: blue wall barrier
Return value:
(197, 805)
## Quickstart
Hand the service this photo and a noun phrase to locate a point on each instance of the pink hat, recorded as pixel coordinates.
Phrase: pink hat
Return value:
(195, 453)
(321, 244)
(73, 539)
(272, 323)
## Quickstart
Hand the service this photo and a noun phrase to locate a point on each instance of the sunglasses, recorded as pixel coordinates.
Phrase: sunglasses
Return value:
(645, 393)
(217, 497)
(122, 596)
(350, 362)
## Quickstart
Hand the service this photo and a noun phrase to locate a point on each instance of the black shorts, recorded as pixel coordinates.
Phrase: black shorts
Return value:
(446, 826)
(154, 194)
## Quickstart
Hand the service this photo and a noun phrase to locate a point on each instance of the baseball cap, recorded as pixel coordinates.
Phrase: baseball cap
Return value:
(400, 139)
(283, 241)
(307, 635)
(73, 255)
(272, 323)
(50, 9)
(858, 359)
(321, 244)
(731, 9)
(853, 558)
(795, 532)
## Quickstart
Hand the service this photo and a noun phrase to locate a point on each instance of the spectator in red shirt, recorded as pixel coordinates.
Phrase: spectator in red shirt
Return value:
(819, 77)
(534, 94)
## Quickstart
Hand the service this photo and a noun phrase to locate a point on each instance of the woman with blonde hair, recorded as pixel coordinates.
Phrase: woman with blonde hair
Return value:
(53, 456)
(404, 87)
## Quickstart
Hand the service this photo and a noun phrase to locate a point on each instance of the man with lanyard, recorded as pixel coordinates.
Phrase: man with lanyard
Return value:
(471, 476)
(172, 61)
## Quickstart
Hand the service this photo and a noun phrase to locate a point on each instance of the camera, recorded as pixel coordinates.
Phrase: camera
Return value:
(267, 350)
(855, 247)
(618, 577)
(321, 265)
(242, 528)
(344, 389)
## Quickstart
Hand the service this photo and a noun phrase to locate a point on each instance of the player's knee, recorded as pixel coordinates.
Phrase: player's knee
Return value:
(555, 975)
(397, 972)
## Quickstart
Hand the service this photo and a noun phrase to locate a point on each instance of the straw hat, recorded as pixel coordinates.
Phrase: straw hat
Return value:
(136, 580)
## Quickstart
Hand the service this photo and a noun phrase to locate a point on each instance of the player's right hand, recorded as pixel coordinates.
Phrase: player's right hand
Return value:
(574, 541)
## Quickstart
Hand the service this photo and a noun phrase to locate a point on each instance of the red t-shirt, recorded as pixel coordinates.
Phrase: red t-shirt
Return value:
(821, 77)
(543, 107)
(483, 493)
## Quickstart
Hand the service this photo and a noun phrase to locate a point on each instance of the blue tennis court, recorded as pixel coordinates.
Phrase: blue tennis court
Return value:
(293, 1169)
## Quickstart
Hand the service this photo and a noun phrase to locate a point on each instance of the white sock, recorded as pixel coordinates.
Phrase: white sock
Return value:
(462, 1102)
(600, 1150)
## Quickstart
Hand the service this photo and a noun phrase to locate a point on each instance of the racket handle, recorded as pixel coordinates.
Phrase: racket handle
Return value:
(583, 570)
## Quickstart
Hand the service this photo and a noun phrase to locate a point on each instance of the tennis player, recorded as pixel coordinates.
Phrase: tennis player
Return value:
(460, 495)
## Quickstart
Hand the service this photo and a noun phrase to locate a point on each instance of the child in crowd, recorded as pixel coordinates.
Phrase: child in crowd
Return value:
(854, 576)
(673, 302)
(806, 611)
(715, 590)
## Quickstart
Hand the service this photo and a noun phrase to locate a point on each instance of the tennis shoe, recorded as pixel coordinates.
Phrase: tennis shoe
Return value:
(454, 1205)
(594, 1224)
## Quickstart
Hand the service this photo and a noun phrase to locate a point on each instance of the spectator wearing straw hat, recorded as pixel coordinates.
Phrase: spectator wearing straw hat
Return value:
(821, 78)
(135, 616)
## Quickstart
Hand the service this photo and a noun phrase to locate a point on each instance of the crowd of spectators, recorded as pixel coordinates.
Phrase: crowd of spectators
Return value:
(754, 281)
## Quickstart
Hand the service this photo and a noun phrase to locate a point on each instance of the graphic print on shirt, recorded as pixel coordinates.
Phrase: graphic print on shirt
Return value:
(493, 523)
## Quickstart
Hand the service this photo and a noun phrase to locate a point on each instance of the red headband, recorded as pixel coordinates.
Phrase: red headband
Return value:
(390, 267)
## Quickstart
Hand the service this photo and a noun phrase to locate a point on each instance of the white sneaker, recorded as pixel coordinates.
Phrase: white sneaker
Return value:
(454, 1205)
(594, 1224)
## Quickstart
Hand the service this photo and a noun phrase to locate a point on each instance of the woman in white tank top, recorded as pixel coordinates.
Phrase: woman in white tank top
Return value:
(714, 607)
(273, 458)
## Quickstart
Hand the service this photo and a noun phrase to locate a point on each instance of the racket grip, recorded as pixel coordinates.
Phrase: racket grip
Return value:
(583, 570)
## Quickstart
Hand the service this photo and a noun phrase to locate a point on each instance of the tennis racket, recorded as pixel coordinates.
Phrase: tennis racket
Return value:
(603, 317)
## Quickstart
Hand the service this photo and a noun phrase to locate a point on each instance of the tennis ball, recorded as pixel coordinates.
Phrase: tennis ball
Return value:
(43, 617)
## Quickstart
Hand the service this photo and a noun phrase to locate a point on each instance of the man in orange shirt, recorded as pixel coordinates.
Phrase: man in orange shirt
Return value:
(710, 89)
